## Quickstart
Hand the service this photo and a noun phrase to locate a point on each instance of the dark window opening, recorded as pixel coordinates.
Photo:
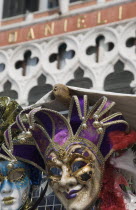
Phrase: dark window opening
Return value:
(19, 7)
(2, 67)
(80, 80)
(37, 92)
(53, 4)
(7, 90)
(71, 1)
(119, 81)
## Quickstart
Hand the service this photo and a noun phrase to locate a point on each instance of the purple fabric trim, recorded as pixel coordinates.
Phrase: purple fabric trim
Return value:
(2, 152)
(14, 126)
(61, 137)
(46, 121)
(81, 101)
(40, 139)
(82, 143)
(26, 125)
(106, 145)
(60, 125)
(30, 153)
(18, 121)
(90, 133)
(23, 112)
(27, 152)
(62, 133)
(106, 105)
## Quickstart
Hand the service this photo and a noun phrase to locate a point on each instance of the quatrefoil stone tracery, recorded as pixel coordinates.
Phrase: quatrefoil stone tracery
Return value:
(127, 44)
(98, 48)
(60, 59)
(60, 55)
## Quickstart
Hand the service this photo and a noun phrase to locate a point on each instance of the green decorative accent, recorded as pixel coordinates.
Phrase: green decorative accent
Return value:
(9, 109)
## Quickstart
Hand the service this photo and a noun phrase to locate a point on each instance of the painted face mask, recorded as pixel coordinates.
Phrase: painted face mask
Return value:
(16, 177)
(76, 147)
(75, 178)
(14, 185)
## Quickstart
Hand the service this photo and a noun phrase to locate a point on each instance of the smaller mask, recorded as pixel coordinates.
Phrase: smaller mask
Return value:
(14, 185)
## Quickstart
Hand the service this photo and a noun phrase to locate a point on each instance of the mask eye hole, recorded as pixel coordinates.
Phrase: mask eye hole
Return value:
(77, 165)
(86, 176)
(55, 171)
(16, 175)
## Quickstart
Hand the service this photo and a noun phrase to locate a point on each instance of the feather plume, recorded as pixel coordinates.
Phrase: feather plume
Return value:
(121, 140)
(126, 164)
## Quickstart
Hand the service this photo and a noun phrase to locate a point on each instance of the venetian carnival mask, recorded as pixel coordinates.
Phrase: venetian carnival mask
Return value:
(20, 168)
(14, 185)
(75, 148)
(75, 177)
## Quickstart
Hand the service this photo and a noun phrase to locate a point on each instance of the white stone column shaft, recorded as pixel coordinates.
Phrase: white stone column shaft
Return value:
(1, 8)
(100, 1)
(43, 5)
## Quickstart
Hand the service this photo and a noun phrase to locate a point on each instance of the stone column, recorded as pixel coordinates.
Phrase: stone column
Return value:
(100, 1)
(43, 5)
(1, 8)
(64, 6)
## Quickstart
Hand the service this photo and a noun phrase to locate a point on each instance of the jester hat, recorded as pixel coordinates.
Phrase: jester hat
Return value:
(83, 125)
(19, 143)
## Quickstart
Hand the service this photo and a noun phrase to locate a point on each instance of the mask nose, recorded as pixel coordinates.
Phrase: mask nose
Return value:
(67, 181)
(6, 187)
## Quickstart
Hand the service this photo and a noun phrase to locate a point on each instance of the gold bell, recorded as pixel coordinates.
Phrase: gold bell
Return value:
(84, 126)
(96, 124)
(95, 117)
(28, 134)
(83, 118)
(10, 165)
(100, 130)
(22, 140)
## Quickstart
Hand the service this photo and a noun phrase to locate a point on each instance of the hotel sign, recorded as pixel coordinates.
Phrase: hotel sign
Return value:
(69, 24)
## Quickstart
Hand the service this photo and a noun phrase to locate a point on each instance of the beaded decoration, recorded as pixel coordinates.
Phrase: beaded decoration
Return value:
(50, 130)
(91, 127)
(19, 143)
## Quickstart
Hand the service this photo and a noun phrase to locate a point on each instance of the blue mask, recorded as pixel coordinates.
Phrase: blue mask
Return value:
(14, 185)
